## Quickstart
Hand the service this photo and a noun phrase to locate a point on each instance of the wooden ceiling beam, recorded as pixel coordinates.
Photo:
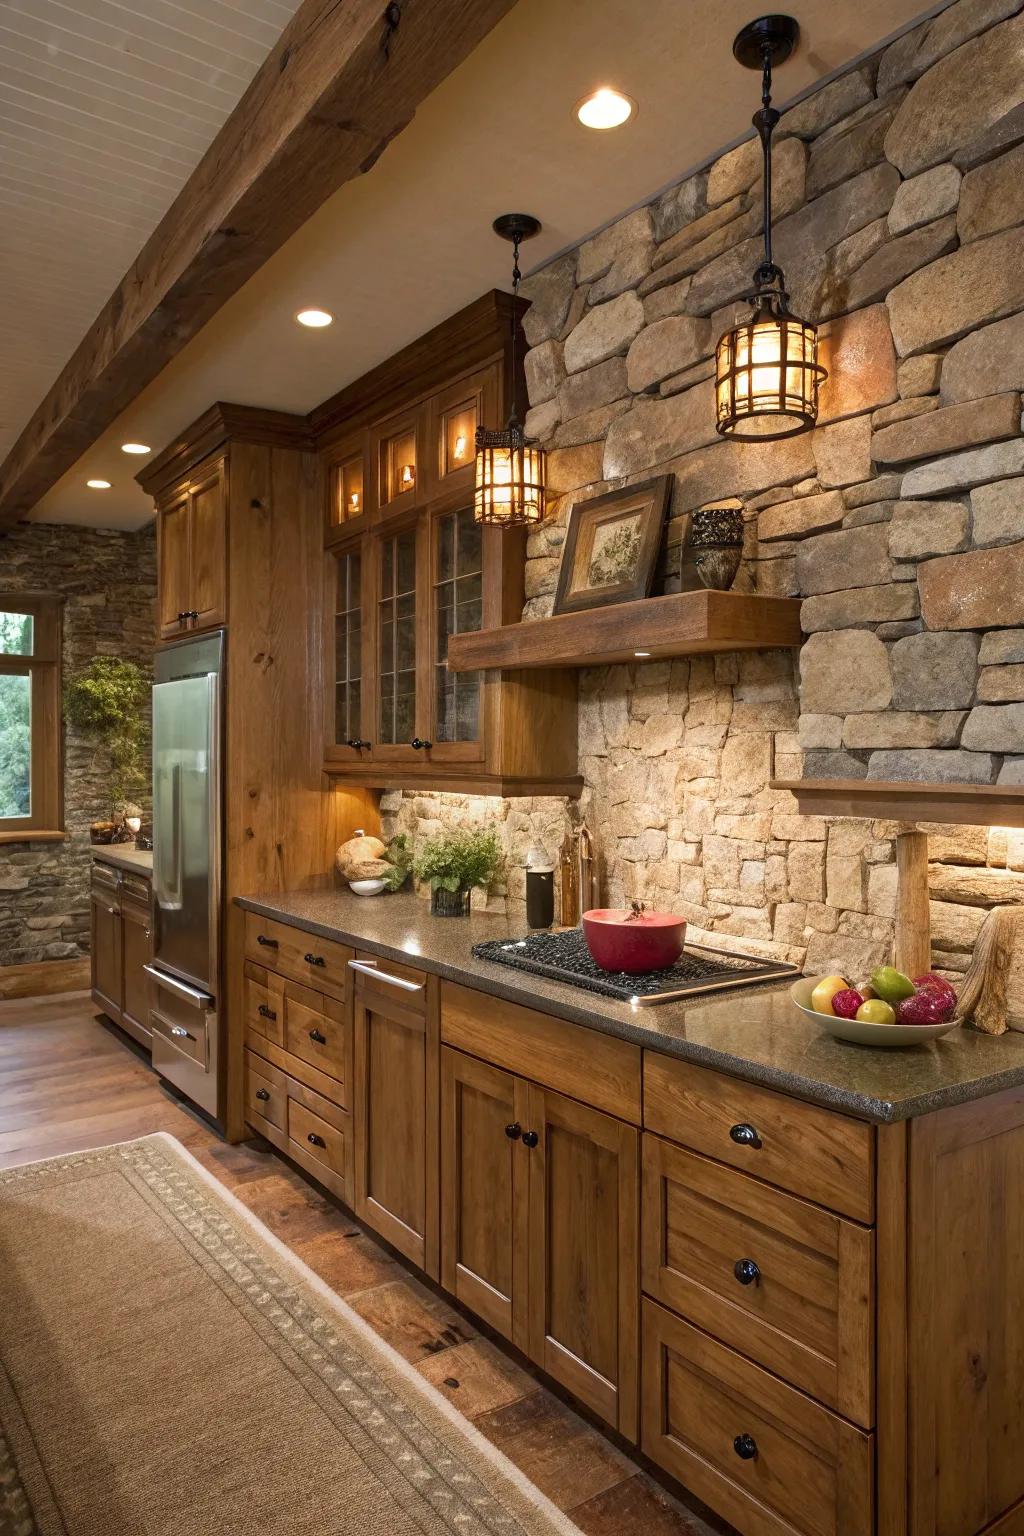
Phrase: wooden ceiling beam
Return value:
(345, 77)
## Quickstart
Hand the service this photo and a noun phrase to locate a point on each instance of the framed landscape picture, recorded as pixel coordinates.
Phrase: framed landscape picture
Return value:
(611, 546)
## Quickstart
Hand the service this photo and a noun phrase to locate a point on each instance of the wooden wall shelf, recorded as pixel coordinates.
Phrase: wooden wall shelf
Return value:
(682, 624)
(983, 805)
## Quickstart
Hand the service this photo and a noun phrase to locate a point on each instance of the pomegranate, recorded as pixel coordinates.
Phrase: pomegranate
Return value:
(846, 1003)
(926, 1007)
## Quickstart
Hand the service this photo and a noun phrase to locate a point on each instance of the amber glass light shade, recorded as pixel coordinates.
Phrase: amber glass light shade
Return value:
(767, 376)
(509, 478)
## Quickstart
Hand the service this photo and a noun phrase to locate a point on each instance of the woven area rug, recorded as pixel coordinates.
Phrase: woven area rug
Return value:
(168, 1368)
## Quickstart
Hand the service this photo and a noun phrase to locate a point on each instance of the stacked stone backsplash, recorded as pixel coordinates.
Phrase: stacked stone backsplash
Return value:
(899, 520)
(108, 584)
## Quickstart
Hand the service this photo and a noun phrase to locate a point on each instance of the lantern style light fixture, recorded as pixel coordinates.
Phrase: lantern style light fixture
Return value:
(509, 468)
(767, 369)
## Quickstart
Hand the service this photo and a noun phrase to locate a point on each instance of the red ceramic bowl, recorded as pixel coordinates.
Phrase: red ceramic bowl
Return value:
(619, 941)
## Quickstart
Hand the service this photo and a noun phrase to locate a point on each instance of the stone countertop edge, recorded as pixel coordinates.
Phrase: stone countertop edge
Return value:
(895, 1097)
(137, 860)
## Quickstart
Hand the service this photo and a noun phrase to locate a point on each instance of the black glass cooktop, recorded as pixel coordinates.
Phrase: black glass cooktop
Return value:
(565, 957)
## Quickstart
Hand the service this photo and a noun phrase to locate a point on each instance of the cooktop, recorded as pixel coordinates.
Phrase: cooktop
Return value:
(565, 957)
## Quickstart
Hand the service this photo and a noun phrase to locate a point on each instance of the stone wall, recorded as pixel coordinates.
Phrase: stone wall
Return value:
(108, 583)
(898, 520)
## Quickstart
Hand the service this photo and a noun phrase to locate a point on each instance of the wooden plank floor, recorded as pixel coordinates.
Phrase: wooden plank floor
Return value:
(69, 1082)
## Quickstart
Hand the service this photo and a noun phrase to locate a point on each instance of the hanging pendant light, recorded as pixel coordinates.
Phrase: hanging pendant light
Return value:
(767, 369)
(509, 468)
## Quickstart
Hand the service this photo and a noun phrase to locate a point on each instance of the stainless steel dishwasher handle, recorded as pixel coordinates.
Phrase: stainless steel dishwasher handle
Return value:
(368, 968)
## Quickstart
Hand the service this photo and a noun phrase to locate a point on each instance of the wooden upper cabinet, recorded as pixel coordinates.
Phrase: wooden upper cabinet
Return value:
(192, 552)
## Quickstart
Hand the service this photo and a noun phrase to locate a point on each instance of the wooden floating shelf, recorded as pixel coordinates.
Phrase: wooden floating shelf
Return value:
(682, 624)
(983, 805)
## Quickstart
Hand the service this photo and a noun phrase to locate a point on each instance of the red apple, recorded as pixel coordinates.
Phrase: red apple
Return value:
(932, 979)
(926, 1007)
(846, 1003)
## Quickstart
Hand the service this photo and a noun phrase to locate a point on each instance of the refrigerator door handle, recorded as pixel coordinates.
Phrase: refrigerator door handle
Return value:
(169, 892)
(191, 995)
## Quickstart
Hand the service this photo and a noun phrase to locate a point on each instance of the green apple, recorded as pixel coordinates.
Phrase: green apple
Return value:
(876, 1011)
(891, 984)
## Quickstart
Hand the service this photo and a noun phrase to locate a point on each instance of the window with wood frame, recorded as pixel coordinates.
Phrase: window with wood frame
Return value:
(30, 756)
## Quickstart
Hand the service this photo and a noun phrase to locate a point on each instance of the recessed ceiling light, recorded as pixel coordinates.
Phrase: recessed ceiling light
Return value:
(316, 319)
(136, 448)
(641, 654)
(605, 108)
(98, 485)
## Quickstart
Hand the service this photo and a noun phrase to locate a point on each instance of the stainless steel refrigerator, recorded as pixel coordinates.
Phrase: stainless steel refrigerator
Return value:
(187, 791)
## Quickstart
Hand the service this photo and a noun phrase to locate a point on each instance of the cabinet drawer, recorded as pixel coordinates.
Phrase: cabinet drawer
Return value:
(760, 1453)
(302, 956)
(573, 1060)
(137, 888)
(105, 878)
(316, 1031)
(264, 1097)
(191, 1038)
(376, 977)
(812, 1152)
(264, 1003)
(315, 1138)
(784, 1282)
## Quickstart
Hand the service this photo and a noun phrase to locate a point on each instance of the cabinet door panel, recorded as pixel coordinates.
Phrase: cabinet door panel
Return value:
(107, 972)
(584, 1282)
(172, 551)
(484, 1175)
(207, 533)
(138, 951)
(396, 1125)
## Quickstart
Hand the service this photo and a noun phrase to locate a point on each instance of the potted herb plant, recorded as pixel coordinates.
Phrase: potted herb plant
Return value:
(453, 864)
(104, 702)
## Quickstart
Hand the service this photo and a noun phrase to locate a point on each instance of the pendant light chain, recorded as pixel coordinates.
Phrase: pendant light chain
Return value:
(517, 278)
(764, 122)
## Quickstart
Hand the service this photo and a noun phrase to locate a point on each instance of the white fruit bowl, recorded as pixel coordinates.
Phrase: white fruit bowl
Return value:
(367, 887)
(859, 1031)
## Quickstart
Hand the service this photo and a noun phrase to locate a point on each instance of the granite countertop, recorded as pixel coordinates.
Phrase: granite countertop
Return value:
(752, 1032)
(125, 856)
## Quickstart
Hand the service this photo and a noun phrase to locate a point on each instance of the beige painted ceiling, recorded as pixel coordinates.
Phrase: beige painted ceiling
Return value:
(395, 252)
(105, 109)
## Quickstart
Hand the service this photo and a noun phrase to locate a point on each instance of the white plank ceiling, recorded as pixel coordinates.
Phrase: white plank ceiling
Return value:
(105, 109)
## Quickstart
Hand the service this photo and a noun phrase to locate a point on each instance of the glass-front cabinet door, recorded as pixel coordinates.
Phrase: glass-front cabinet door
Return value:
(398, 613)
(456, 606)
(348, 652)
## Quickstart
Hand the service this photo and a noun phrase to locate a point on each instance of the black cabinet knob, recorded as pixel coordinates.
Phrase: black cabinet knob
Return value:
(315, 1140)
(261, 1093)
(746, 1272)
(530, 1138)
(316, 1036)
(418, 744)
(266, 943)
(514, 1131)
(745, 1447)
(744, 1135)
(358, 743)
(265, 1012)
(314, 959)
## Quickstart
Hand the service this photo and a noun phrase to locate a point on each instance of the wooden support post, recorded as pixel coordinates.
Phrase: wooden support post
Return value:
(913, 954)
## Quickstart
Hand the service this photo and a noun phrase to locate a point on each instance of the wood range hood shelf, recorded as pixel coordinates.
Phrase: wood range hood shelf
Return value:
(982, 805)
(681, 624)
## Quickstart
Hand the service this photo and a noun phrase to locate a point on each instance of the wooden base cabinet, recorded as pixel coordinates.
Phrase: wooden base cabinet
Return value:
(396, 1113)
(121, 945)
(539, 1228)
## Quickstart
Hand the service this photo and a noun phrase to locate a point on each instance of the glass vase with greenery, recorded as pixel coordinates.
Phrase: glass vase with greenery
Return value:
(105, 703)
(454, 863)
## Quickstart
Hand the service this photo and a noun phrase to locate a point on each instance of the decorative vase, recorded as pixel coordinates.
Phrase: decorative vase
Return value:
(449, 903)
(102, 831)
(716, 544)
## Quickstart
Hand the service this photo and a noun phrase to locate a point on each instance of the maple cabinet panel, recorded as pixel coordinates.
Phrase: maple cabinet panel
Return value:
(192, 552)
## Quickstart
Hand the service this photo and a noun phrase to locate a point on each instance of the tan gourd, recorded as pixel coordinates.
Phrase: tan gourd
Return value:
(361, 858)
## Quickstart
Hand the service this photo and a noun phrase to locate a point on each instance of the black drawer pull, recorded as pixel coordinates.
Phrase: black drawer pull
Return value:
(314, 959)
(262, 939)
(358, 743)
(315, 1140)
(746, 1272)
(514, 1131)
(265, 1012)
(745, 1447)
(316, 1036)
(261, 1093)
(530, 1138)
(419, 745)
(744, 1135)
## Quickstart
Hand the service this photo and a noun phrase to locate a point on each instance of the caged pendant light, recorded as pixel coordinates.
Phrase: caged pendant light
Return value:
(509, 468)
(767, 372)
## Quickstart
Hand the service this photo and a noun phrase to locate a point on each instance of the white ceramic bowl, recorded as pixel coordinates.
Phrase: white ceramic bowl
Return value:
(859, 1031)
(367, 887)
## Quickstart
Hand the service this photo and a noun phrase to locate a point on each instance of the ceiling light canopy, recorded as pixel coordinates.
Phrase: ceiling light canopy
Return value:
(509, 468)
(605, 108)
(314, 319)
(766, 368)
(98, 485)
(136, 448)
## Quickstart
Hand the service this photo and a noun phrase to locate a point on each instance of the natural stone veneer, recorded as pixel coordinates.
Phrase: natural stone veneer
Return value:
(899, 520)
(107, 581)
